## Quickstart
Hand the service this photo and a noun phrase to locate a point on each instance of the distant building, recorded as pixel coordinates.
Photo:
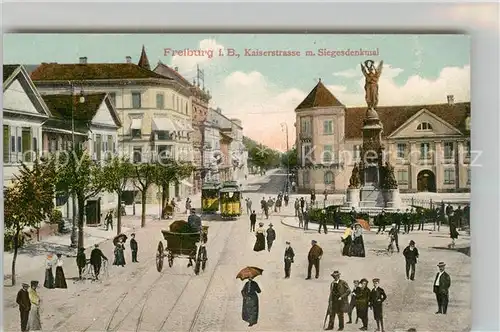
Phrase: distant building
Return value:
(428, 145)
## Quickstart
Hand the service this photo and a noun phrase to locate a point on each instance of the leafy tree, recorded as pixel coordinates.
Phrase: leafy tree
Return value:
(29, 201)
(290, 158)
(78, 175)
(113, 178)
(145, 175)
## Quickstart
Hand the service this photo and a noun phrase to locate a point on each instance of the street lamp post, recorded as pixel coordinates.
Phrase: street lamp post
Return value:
(285, 127)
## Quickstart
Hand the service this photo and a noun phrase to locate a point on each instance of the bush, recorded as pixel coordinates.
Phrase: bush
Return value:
(55, 217)
(8, 241)
(315, 215)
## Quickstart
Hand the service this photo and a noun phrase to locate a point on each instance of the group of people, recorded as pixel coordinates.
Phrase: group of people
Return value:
(28, 301)
(352, 239)
(60, 280)
(262, 236)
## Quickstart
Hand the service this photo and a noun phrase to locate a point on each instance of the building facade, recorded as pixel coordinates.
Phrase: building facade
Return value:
(428, 145)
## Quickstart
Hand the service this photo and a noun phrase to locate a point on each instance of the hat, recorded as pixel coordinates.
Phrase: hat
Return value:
(335, 273)
(34, 283)
(270, 224)
(25, 284)
(287, 242)
(96, 245)
(363, 280)
(376, 280)
(133, 234)
(58, 255)
(412, 243)
(393, 225)
(441, 264)
(356, 281)
(192, 210)
(314, 241)
(261, 224)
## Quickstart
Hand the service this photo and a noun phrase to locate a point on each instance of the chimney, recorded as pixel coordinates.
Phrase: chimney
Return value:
(128, 59)
(451, 100)
(176, 68)
(83, 60)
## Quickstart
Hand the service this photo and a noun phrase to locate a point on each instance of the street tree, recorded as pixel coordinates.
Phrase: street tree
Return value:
(113, 178)
(29, 202)
(78, 174)
(145, 177)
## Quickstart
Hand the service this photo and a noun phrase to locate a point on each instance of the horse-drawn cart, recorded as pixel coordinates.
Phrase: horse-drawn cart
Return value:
(189, 246)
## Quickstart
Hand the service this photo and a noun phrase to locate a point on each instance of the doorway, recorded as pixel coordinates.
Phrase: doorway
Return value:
(426, 181)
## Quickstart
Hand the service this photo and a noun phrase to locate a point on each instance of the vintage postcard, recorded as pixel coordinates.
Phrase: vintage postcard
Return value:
(236, 182)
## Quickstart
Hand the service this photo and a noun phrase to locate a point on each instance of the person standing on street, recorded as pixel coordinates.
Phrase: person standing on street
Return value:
(362, 303)
(249, 205)
(337, 218)
(286, 198)
(377, 298)
(338, 302)
(119, 253)
(60, 281)
(253, 221)
(313, 197)
(270, 237)
(289, 255)
(133, 248)
(81, 261)
(406, 221)
(296, 205)
(301, 219)
(393, 234)
(421, 219)
(411, 256)
(24, 303)
(398, 217)
(352, 303)
(322, 222)
(34, 321)
(314, 256)
(49, 275)
(96, 257)
(302, 204)
(442, 284)
(109, 220)
(188, 205)
(305, 216)
(250, 309)
(260, 240)
(453, 233)
(381, 222)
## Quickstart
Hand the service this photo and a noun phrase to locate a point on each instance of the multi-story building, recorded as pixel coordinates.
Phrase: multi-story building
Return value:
(239, 154)
(428, 145)
(155, 110)
(212, 156)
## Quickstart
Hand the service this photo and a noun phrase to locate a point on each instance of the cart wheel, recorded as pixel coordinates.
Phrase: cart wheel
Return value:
(159, 257)
(197, 265)
(170, 260)
(203, 254)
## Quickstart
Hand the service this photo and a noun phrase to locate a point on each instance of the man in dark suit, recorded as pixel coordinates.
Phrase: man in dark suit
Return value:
(23, 300)
(442, 284)
(289, 255)
(393, 233)
(377, 298)
(96, 257)
(353, 215)
(362, 303)
(381, 222)
(322, 222)
(352, 303)
(314, 256)
(338, 302)
(133, 248)
(411, 256)
(337, 218)
(253, 220)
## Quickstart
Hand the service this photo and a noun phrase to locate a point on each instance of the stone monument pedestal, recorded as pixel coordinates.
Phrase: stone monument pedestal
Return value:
(352, 197)
(371, 196)
(392, 198)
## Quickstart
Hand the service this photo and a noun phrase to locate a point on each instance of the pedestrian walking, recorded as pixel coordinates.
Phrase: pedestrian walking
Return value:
(286, 198)
(406, 221)
(264, 208)
(421, 219)
(338, 302)
(60, 281)
(109, 220)
(377, 298)
(353, 214)
(250, 309)
(119, 253)
(363, 302)
(260, 241)
(381, 222)
(394, 237)
(270, 237)
(313, 197)
(398, 218)
(294, 185)
(289, 256)
(306, 217)
(24, 303)
(49, 275)
(301, 219)
(96, 257)
(352, 302)
(296, 206)
(357, 248)
(81, 261)
(302, 204)
(325, 193)
(34, 321)
(441, 288)
(314, 256)
(453, 234)
(253, 221)
(346, 239)
(337, 218)
(133, 248)
(322, 222)
(248, 203)
(187, 205)
(411, 256)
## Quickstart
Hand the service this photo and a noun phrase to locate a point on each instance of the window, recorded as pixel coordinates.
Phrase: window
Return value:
(328, 177)
(307, 155)
(136, 100)
(97, 146)
(424, 126)
(136, 133)
(357, 152)
(425, 151)
(178, 104)
(401, 150)
(468, 175)
(402, 176)
(448, 150)
(327, 153)
(34, 144)
(328, 127)
(173, 102)
(112, 97)
(449, 176)
(12, 143)
(164, 152)
(305, 178)
(186, 108)
(109, 146)
(6, 150)
(467, 149)
(137, 156)
(160, 101)
(163, 135)
(305, 126)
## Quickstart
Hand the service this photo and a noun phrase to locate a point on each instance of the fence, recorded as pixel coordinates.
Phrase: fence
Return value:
(432, 204)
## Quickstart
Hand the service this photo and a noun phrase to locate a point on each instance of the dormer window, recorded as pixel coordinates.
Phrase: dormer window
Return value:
(424, 126)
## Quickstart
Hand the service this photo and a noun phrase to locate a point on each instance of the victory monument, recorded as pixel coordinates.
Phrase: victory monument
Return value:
(372, 183)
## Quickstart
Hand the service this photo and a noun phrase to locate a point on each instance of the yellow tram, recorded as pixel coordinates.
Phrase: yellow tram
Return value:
(230, 200)
(210, 197)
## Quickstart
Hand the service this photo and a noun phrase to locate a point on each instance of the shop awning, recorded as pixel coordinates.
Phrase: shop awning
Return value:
(163, 124)
(136, 124)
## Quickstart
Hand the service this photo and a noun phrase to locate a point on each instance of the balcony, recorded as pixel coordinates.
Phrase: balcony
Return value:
(305, 136)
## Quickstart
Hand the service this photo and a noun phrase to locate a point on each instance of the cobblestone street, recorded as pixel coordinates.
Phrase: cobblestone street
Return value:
(138, 298)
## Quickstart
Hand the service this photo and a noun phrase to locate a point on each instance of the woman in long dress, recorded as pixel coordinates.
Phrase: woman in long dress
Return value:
(357, 247)
(34, 322)
(60, 277)
(49, 276)
(453, 234)
(119, 255)
(347, 240)
(260, 239)
(250, 310)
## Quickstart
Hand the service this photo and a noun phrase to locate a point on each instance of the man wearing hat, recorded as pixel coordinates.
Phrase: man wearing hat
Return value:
(96, 257)
(381, 222)
(81, 261)
(377, 298)
(194, 221)
(393, 233)
(322, 222)
(133, 248)
(411, 256)
(270, 236)
(363, 302)
(338, 302)
(314, 256)
(253, 221)
(23, 300)
(289, 255)
(442, 284)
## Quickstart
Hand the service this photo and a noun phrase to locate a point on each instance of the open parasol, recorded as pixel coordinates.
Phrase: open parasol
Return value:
(119, 236)
(363, 223)
(249, 272)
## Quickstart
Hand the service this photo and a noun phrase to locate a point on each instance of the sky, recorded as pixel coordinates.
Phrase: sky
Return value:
(263, 91)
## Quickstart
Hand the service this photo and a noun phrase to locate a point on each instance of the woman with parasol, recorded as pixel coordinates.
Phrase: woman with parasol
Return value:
(357, 248)
(260, 239)
(119, 242)
(250, 309)
(347, 240)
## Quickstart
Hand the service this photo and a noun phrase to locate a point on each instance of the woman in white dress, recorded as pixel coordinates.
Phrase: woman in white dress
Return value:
(34, 323)
(49, 276)
(60, 277)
